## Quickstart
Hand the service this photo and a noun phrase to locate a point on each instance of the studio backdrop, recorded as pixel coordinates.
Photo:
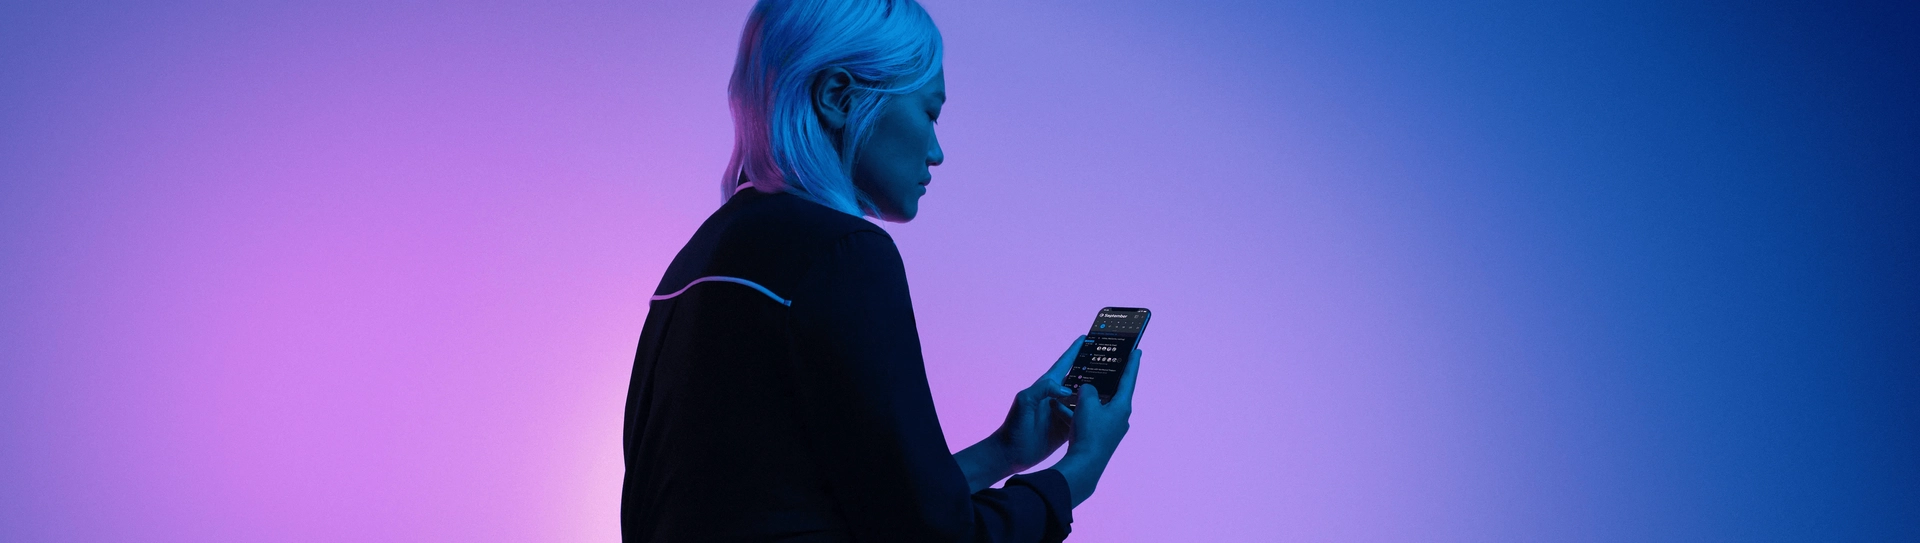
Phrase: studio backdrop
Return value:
(1421, 271)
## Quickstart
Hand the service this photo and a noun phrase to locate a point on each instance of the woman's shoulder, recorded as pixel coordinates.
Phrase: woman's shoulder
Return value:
(793, 219)
(772, 239)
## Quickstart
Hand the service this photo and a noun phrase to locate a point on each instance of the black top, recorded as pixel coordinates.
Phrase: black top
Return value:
(779, 395)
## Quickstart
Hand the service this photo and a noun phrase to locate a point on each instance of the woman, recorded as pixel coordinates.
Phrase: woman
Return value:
(778, 393)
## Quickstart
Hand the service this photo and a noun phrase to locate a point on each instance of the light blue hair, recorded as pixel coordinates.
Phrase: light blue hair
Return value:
(890, 47)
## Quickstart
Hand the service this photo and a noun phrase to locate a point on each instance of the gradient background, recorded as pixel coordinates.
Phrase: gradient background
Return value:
(1475, 271)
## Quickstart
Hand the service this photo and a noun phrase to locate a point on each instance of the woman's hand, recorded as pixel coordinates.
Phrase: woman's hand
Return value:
(1036, 425)
(1097, 430)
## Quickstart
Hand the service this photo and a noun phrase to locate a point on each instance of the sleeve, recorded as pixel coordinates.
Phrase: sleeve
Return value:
(870, 420)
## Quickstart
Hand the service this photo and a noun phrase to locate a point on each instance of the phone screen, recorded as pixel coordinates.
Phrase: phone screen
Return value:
(1103, 355)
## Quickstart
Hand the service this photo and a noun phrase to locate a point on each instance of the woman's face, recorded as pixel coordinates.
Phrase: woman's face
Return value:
(891, 166)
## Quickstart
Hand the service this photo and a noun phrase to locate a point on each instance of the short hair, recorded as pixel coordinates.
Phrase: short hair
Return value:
(889, 47)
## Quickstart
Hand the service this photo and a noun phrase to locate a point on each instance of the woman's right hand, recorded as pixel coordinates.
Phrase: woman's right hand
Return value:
(1097, 430)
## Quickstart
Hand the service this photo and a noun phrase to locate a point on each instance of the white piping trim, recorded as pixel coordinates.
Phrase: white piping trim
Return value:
(756, 286)
(743, 186)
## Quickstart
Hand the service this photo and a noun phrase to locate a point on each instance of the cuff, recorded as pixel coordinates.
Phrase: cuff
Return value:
(1052, 488)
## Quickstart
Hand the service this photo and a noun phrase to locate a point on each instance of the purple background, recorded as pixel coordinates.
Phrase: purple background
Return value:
(1443, 272)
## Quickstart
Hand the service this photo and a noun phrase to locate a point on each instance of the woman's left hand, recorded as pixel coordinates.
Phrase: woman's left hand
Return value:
(1038, 423)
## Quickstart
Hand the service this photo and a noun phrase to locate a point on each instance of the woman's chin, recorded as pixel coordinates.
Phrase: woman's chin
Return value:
(899, 217)
(900, 213)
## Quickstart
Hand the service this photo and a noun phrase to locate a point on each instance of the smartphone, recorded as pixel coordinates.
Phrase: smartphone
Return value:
(1104, 353)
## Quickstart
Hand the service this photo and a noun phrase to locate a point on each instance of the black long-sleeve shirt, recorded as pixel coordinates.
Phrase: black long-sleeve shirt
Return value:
(779, 394)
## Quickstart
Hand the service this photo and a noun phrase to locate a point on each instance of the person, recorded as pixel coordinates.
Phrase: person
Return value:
(778, 390)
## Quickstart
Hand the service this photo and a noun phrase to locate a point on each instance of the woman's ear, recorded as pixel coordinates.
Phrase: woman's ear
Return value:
(832, 97)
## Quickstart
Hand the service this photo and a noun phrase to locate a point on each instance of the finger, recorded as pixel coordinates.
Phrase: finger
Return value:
(1030, 394)
(1042, 390)
(1065, 363)
(1089, 396)
(1053, 390)
(1063, 416)
(1125, 394)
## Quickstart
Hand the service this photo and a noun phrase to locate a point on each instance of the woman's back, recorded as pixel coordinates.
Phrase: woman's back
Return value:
(711, 414)
(778, 391)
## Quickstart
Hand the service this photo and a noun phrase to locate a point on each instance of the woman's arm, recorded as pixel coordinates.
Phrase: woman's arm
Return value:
(983, 464)
(1037, 424)
(1097, 430)
(862, 391)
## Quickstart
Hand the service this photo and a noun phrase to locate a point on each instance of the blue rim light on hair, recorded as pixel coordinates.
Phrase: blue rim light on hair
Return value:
(890, 47)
